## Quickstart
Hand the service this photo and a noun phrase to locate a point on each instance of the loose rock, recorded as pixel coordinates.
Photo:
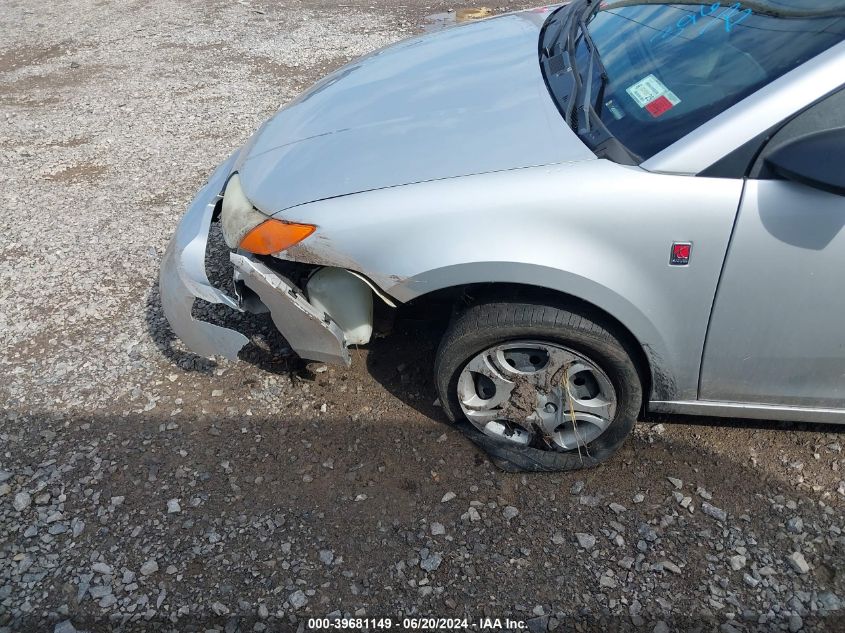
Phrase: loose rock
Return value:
(297, 599)
(219, 608)
(737, 562)
(586, 541)
(714, 512)
(432, 562)
(21, 501)
(149, 567)
(509, 512)
(798, 563)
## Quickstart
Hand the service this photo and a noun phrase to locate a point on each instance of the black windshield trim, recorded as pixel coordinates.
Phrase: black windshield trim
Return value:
(556, 52)
(590, 128)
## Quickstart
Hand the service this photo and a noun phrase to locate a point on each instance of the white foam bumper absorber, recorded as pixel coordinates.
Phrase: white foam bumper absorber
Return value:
(346, 299)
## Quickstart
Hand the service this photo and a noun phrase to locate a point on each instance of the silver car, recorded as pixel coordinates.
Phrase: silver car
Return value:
(629, 207)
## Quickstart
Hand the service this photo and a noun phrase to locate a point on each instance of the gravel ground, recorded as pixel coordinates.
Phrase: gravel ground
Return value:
(143, 488)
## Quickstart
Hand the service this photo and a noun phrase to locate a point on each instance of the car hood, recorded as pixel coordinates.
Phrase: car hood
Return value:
(465, 100)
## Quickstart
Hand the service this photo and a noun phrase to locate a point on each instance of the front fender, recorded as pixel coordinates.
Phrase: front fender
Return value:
(595, 230)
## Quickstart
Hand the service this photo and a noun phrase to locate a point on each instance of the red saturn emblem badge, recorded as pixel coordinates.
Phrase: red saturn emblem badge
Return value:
(680, 253)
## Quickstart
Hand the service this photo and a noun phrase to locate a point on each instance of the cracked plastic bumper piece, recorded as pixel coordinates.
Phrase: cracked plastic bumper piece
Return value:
(182, 280)
(312, 334)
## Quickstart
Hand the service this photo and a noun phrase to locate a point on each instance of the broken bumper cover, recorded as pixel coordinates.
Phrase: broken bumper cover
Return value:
(182, 280)
(310, 333)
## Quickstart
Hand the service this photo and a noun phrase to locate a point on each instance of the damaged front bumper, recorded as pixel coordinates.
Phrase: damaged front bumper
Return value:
(311, 333)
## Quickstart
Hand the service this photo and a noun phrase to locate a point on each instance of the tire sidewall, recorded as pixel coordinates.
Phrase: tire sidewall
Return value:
(601, 347)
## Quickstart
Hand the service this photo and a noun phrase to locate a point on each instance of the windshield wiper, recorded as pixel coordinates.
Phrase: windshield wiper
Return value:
(595, 60)
(587, 122)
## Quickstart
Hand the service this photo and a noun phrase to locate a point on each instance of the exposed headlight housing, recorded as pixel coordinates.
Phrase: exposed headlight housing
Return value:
(238, 216)
(247, 228)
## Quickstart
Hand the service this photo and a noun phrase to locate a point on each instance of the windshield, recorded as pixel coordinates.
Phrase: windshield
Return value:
(662, 70)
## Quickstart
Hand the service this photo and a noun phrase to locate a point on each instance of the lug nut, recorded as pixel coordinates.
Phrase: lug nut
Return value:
(550, 407)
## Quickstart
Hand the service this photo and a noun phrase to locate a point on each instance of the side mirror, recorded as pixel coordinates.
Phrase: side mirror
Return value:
(816, 160)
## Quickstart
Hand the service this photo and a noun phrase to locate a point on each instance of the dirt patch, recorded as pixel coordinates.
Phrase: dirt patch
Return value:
(82, 172)
(25, 102)
(48, 89)
(158, 200)
(208, 47)
(12, 254)
(71, 142)
(522, 401)
(266, 68)
(25, 56)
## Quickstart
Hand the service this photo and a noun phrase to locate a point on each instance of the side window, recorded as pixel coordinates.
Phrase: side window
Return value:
(827, 114)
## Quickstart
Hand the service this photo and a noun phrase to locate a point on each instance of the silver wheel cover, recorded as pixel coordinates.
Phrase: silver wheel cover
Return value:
(537, 393)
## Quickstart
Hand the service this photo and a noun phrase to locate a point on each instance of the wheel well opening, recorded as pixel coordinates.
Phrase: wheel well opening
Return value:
(441, 305)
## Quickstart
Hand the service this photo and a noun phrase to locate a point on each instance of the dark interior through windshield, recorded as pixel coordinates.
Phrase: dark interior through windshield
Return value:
(672, 67)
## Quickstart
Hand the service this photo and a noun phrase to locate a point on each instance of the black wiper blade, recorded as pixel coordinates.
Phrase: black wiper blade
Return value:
(588, 124)
(595, 60)
(559, 39)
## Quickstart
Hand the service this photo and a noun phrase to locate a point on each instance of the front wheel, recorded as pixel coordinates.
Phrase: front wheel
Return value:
(543, 388)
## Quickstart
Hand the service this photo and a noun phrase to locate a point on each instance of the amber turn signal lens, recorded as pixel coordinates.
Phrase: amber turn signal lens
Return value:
(274, 236)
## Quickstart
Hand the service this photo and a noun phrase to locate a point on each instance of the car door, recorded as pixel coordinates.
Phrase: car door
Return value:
(777, 329)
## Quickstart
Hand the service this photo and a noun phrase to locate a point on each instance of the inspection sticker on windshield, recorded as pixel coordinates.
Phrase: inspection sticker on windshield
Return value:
(651, 94)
